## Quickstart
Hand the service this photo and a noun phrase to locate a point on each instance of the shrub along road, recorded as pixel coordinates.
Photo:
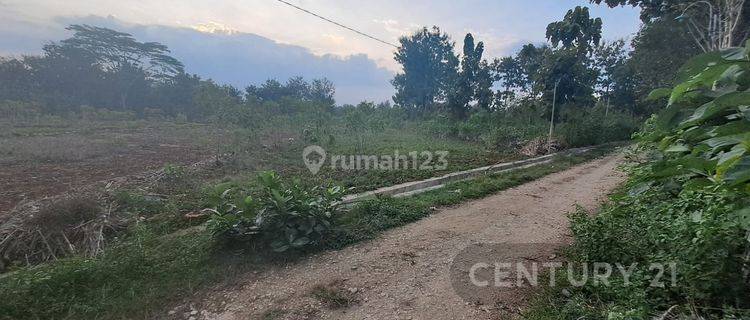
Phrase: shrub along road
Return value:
(405, 273)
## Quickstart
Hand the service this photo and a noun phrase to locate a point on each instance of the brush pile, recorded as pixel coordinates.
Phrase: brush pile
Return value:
(53, 228)
(541, 146)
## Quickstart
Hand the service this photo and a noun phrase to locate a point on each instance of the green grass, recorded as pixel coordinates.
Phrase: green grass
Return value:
(126, 281)
(286, 157)
(147, 270)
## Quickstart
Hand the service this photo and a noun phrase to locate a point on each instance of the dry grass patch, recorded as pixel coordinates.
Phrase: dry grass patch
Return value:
(334, 294)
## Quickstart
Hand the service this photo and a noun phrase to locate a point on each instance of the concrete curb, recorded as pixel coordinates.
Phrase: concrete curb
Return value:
(415, 187)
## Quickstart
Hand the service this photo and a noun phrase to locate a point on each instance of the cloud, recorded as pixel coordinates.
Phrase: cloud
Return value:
(334, 39)
(391, 26)
(214, 27)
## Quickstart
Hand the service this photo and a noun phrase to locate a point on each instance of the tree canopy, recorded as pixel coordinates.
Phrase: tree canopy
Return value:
(429, 66)
(576, 30)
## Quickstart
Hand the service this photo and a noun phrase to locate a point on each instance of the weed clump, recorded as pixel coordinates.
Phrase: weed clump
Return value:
(334, 294)
(284, 217)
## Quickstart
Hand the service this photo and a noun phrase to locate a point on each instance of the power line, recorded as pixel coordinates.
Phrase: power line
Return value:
(338, 24)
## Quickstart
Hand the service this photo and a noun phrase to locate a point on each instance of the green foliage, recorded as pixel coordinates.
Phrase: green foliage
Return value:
(511, 131)
(17, 111)
(120, 77)
(594, 126)
(368, 218)
(616, 79)
(112, 49)
(283, 217)
(693, 230)
(576, 30)
(686, 204)
(571, 73)
(497, 131)
(429, 65)
(659, 49)
(319, 90)
(173, 171)
(472, 82)
(703, 131)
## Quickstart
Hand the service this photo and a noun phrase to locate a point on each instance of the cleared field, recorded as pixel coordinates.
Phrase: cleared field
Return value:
(40, 161)
(133, 186)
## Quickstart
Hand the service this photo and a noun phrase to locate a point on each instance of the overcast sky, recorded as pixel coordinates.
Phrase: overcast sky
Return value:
(503, 25)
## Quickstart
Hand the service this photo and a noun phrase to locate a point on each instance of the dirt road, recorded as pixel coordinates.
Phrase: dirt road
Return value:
(406, 273)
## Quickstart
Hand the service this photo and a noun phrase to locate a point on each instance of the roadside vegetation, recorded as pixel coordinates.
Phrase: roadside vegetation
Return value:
(150, 264)
(685, 204)
(232, 194)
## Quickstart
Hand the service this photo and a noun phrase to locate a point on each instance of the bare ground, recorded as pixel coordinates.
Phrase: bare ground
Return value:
(146, 150)
(405, 273)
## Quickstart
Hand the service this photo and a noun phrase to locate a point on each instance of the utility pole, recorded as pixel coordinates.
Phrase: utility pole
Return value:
(552, 119)
(606, 108)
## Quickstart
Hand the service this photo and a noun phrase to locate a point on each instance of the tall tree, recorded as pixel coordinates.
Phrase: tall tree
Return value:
(574, 78)
(530, 58)
(16, 79)
(429, 68)
(577, 30)
(121, 56)
(567, 68)
(52, 73)
(483, 92)
(509, 72)
(609, 58)
(322, 90)
(466, 86)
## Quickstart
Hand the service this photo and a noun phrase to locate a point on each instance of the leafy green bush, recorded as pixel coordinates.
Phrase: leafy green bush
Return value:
(284, 217)
(686, 203)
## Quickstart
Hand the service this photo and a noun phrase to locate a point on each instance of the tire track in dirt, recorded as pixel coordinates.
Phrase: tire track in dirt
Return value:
(404, 273)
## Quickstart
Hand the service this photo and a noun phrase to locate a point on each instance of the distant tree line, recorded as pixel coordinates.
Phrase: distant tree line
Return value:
(104, 68)
(576, 68)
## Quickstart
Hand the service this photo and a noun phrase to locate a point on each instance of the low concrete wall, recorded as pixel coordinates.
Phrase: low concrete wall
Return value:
(414, 187)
